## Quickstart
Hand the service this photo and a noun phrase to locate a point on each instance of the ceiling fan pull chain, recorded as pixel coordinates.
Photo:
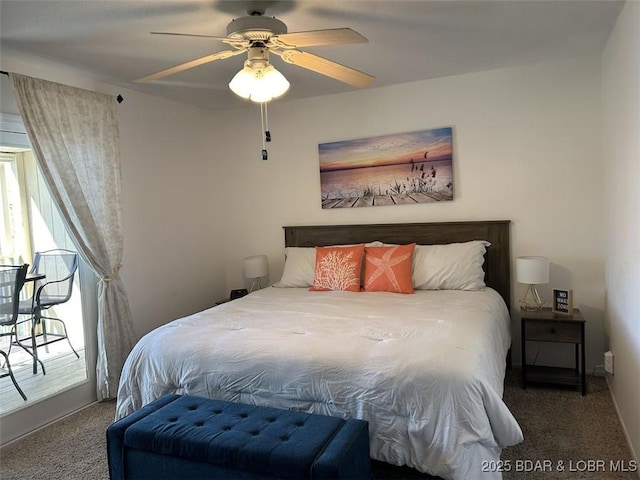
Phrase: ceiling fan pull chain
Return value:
(263, 115)
(267, 133)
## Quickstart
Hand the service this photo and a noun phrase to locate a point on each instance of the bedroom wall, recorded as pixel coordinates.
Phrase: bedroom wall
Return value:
(527, 147)
(170, 197)
(172, 211)
(621, 101)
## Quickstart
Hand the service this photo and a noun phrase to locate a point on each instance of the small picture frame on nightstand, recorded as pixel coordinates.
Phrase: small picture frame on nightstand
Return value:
(562, 301)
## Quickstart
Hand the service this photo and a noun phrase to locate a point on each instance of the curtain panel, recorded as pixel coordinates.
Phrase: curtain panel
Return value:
(74, 134)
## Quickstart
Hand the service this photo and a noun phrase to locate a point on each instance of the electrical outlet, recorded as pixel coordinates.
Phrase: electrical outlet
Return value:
(608, 362)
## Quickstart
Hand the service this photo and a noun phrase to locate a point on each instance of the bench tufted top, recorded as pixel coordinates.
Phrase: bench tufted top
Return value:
(263, 440)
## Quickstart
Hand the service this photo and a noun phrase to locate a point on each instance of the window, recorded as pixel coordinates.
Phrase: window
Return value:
(14, 237)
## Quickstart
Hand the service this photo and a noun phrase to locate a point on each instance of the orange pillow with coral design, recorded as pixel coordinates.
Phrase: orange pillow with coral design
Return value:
(389, 269)
(338, 268)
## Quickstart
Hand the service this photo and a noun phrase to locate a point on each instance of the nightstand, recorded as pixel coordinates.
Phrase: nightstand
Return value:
(546, 326)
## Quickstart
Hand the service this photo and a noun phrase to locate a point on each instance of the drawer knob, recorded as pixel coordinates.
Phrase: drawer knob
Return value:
(553, 330)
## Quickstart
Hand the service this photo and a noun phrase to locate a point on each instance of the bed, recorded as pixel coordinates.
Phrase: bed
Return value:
(425, 370)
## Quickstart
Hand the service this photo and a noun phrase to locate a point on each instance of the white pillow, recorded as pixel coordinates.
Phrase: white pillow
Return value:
(300, 266)
(454, 266)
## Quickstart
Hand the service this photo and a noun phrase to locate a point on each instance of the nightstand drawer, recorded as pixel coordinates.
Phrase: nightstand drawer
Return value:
(565, 332)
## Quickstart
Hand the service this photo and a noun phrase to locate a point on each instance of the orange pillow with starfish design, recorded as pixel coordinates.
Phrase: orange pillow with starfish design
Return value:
(389, 269)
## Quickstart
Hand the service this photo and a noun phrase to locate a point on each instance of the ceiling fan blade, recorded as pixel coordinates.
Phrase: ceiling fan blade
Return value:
(188, 35)
(313, 38)
(327, 67)
(185, 66)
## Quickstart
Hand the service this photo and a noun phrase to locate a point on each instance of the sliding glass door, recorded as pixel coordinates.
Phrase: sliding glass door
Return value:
(30, 222)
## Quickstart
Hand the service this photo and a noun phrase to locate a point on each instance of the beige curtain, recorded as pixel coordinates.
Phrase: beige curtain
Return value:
(74, 134)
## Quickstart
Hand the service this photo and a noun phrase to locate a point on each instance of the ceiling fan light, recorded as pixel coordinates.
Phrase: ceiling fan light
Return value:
(275, 81)
(242, 82)
(259, 85)
(260, 96)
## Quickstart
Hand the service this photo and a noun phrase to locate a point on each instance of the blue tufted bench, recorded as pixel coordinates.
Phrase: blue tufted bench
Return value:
(191, 437)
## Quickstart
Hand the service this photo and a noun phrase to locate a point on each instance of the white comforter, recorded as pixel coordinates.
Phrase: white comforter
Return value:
(426, 370)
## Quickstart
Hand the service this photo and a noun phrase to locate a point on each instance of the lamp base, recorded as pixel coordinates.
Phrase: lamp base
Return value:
(530, 308)
(256, 285)
(531, 300)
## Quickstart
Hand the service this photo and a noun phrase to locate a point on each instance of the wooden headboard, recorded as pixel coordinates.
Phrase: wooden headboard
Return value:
(497, 264)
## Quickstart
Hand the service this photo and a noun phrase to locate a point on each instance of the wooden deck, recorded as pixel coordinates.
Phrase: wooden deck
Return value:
(63, 369)
(378, 200)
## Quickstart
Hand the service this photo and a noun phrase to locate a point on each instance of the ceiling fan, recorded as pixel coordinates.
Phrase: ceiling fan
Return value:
(259, 35)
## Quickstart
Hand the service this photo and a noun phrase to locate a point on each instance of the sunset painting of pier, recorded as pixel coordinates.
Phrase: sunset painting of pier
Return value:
(398, 169)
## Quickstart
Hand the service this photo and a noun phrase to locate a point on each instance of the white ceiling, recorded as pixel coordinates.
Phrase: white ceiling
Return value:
(408, 40)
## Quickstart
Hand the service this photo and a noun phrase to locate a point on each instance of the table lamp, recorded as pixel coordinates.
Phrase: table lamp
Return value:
(256, 267)
(532, 271)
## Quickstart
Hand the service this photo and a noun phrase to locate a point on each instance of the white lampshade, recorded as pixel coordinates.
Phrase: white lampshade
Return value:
(259, 84)
(242, 82)
(532, 270)
(256, 266)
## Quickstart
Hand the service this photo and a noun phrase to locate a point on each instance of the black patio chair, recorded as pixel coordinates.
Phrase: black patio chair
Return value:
(11, 282)
(57, 269)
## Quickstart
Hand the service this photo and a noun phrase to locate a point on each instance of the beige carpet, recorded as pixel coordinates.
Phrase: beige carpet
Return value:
(558, 425)
(72, 449)
(567, 431)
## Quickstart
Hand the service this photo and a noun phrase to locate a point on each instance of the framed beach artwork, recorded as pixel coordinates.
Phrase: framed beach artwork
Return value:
(397, 169)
